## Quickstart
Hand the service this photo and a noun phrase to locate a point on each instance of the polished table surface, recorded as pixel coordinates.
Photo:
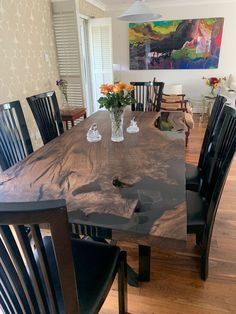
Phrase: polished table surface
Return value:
(149, 203)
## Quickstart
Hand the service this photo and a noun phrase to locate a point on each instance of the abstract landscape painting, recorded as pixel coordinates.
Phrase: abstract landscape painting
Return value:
(175, 44)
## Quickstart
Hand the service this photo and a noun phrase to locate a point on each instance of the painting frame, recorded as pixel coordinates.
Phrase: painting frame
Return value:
(176, 44)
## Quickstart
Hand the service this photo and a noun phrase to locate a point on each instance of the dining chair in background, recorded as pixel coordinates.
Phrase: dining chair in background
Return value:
(46, 112)
(53, 274)
(158, 91)
(202, 206)
(15, 142)
(147, 96)
(172, 102)
(173, 99)
(193, 172)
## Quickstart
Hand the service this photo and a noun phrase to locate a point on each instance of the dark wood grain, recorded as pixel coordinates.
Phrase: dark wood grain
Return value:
(175, 286)
(150, 164)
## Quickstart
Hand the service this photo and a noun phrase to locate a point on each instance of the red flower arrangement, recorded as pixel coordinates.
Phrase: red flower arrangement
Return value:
(214, 82)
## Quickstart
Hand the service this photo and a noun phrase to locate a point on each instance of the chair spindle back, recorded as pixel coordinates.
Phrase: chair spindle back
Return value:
(15, 143)
(26, 285)
(216, 110)
(47, 115)
(147, 95)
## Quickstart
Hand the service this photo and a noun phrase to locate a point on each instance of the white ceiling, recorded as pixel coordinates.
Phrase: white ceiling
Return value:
(122, 4)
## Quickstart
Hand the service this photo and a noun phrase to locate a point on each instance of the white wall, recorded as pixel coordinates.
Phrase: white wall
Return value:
(193, 85)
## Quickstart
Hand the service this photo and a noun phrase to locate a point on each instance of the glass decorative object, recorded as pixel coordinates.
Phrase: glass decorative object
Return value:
(214, 83)
(115, 98)
(133, 128)
(93, 134)
(117, 118)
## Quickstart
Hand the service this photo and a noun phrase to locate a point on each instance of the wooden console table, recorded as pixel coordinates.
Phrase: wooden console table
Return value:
(71, 114)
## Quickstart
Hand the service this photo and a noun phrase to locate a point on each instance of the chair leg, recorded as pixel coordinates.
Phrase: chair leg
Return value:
(122, 283)
(144, 262)
(204, 265)
(199, 238)
(187, 133)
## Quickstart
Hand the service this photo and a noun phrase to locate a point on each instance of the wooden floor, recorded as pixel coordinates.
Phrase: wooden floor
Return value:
(175, 286)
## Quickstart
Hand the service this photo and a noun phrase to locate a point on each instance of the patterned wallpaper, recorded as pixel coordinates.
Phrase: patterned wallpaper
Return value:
(27, 54)
(88, 9)
(28, 62)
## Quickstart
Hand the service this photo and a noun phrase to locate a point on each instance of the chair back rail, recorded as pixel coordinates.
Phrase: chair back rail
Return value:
(223, 149)
(147, 96)
(141, 95)
(26, 285)
(217, 107)
(46, 112)
(174, 102)
(158, 89)
(15, 142)
(216, 174)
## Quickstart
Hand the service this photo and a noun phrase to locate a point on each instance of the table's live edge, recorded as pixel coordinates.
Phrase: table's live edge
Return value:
(150, 162)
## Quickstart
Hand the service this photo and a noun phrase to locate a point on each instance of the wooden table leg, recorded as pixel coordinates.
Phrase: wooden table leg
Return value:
(67, 126)
(144, 262)
(132, 277)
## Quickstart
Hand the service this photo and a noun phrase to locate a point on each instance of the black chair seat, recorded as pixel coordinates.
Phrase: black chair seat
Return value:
(98, 262)
(193, 177)
(202, 205)
(196, 211)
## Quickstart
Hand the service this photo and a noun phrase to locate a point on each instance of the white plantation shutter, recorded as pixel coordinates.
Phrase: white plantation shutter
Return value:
(68, 51)
(100, 39)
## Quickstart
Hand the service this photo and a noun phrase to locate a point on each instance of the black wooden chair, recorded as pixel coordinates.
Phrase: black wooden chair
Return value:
(46, 112)
(194, 173)
(15, 143)
(202, 206)
(147, 96)
(53, 274)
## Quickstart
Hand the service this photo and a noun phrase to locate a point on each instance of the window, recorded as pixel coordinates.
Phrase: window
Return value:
(100, 40)
(68, 54)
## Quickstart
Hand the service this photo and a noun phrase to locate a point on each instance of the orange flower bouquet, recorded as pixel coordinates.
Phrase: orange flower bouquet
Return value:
(116, 97)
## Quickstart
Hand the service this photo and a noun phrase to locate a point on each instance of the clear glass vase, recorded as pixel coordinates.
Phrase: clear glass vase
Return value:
(213, 91)
(117, 117)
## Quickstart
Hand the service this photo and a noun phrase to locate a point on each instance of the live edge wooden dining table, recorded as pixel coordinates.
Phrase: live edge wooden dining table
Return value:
(133, 190)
